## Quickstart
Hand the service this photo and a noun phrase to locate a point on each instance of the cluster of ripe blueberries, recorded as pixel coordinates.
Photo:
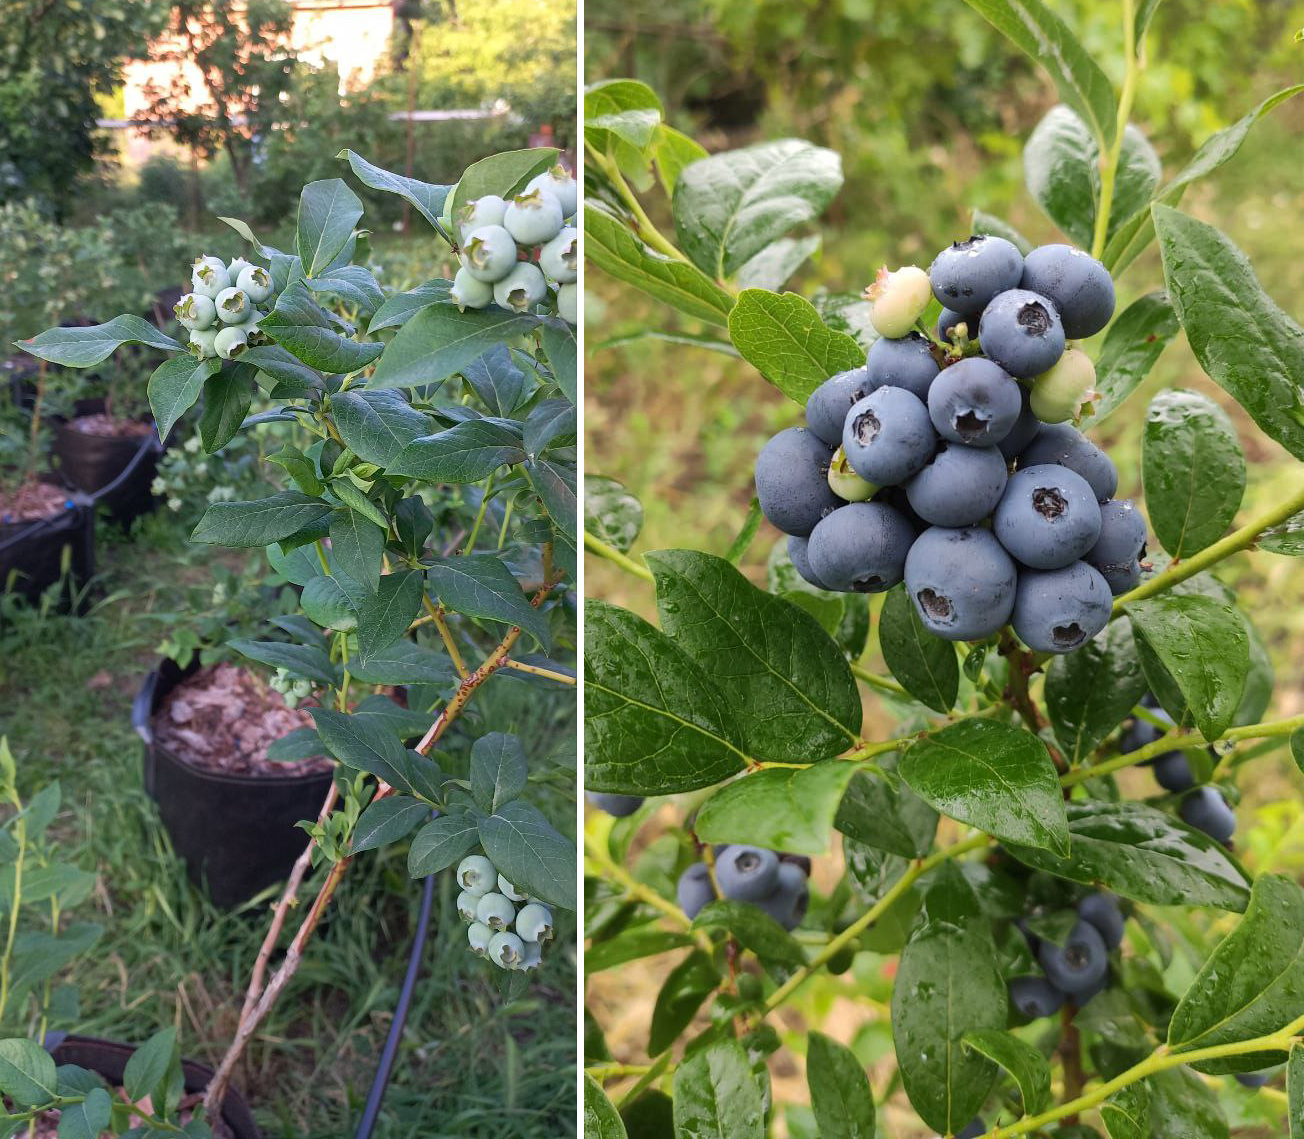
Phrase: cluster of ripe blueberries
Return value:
(513, 250)
(221, 310)
(902, 471)
(503, 924)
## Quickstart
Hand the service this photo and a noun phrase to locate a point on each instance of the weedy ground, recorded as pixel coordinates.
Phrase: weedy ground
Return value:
(470, 1063)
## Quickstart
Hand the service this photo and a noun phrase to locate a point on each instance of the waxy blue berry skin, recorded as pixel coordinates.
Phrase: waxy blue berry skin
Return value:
(617, 806)
(1065, 445)
(746, 873)
(1206, 810)
(1253, 1079)
(1057, 611)
(958, 486)
(974, 402)
(1024, 430)
(826, 410)
(792, 481)
(888, 436)
(966, 276)
(694, 889)
(1118, 551)
(1079, 964)
(860, 548)
(1021, 331)
(1103, 911)
(947, 321)
(799, 555)
(1035, 997)
(1172, 771)
(1077, 284)
(1048, 517)
(905, 363)
(976, 1130)
(961, 581)
(788, 902)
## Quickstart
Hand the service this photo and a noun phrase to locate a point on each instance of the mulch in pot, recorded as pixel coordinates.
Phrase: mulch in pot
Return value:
(107, 427)
(32, 501)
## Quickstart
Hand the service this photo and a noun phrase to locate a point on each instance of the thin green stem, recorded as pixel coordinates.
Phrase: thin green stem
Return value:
(1109, 157)
(598, 546)
(15, 904)
(612, 871)
(507, 518)
(1236, 541)
(646, 228)
(479, 517)
(882, 683)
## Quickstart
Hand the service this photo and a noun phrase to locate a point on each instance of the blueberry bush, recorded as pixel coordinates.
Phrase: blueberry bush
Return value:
(1039, 645)
(427, 514)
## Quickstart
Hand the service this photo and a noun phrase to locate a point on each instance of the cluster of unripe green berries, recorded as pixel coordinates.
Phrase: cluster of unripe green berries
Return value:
(221, 310)
(504, 925)
(293, 690)
(513, 251)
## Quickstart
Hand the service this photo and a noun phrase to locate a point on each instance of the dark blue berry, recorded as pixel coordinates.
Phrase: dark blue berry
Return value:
(860, 548)
(1048, 517)
(888, 436)
(1057, 611)
(961, 581)
(1103, 911)
(1022, 332)
(1035, 997)
(827, 407)
(1206, 810)
(1079, 964)
(967, 275)
(974, 402)
(1077, 284)
(958, 486)
(618, 806)
(905, 363)
(694, 889)
(746, 873)
(1066, 446)
(792, 481)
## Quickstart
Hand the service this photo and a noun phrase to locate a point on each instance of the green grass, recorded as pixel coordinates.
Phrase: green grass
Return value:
(470, 1064)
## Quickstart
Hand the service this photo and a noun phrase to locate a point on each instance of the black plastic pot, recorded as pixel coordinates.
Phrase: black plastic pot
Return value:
(237, 833)
(32, 553)
(109, 1059)
(116, 470)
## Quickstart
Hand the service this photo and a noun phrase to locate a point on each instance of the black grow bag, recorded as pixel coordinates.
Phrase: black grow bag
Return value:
(116, 470)
(32, 553)
(109, 1059)
(237, 833)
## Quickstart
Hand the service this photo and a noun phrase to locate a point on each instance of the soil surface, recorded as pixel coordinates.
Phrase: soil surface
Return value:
(107, 426)
(47, 1124)
(224, 717)
(32, 501)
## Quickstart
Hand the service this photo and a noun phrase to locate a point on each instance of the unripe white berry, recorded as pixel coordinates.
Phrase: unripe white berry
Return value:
(509, 891)
(560, 258)
(534, 217)
(562, 185)
(209, 276)
(488, 253)
(534, 922)
(202, 340)
(232, 306)
(522, 289)
(195, 311)
(255, 282)
(568, 303)
(466, 904)
(476, 874)
(506, 950)
(845, 483)
(1061, 393)
(468, 292)
(230, 342)
(479, 936)
(898, 300)
(495, 911)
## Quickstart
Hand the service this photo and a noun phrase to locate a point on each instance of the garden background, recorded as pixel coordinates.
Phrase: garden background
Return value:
(929, 108)
(94, 222)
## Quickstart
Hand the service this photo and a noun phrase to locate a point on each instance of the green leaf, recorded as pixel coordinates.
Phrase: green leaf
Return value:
(1295, 1090)
(149, 1065)
(1047, 40)
(1138, 174)
(947, 984)
(428, 199)
(632, 945)
(717, 1096)
(439, 341)
(611, 513)
(1246, 344)
(1133, 344)
(992, 776)
(88, 1119)
(357, 546)
(601, 1119)
(621, 120)
(479, 585)
(291, 375)
(686, 986)
(85, 347)
(1297, 747)
(655, 724)
(674, 151)
(840, 1095)
(530, 853)
(619, 254)
(924, 664)
(983, 222)
(362, 743)
(440, 843)
(780, 808)
(174, 386)
(1183, 1106)
(1126, 1114)
(352, 284)
(1202, 644)
(1090, 692)
(377, 425)
(403, 663)
(328, 211)
(307, 661)
(464, 453)
(303, 328)
(1143, 854)
(387, 820)
(1193, 471)
(398, 309)
(27, 1073)
(787, 680)
(884, 813)
(497, 380)
(504, 174)
(1285, 538)
(782, 337)
(1024, 1062)
(499, 770)
(562, 352)
(731, 206)
(555, 484)
(753, 929)
(773, 265)
(227, 397)
(1059, 167)
(1252, 984)
(385, 614)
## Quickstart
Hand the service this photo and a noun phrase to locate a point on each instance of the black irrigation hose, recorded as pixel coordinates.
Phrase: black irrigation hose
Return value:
(375, 1097)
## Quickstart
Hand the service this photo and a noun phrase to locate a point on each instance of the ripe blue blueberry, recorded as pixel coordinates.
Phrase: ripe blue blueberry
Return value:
(466, 904)
(1253, 1079)
(486, 210)
(1172, 771)
(506, 950)
(255, 282)
(510, 892)
(950, 320)
(799, 555)
(860, 548)
(1059, 610)
(476, 874)
(959, 486)
(1077, 284)
(1024, 430)
(826, 410)
(1079, 964)
(534, 217)
(975, 1130)
(1141, 733)
(694, 889)
(974, 402)
(1035, 997)
(788, 902)
(559, 259)
(1103, 911)
(495, 910)
(521, 289)
(1021, 331)
(903, 363)
(230, 342)
(479, 936)
(1065, 445)
(1206, 810)
(746, 873)
(967, 275)
(195, 312)
(1121, 544)
(618, 806)
(534, 923)
(792, 481)
(568, 303)
(888, 436)
(1048, 517)
(489, 253)
(961, 581)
